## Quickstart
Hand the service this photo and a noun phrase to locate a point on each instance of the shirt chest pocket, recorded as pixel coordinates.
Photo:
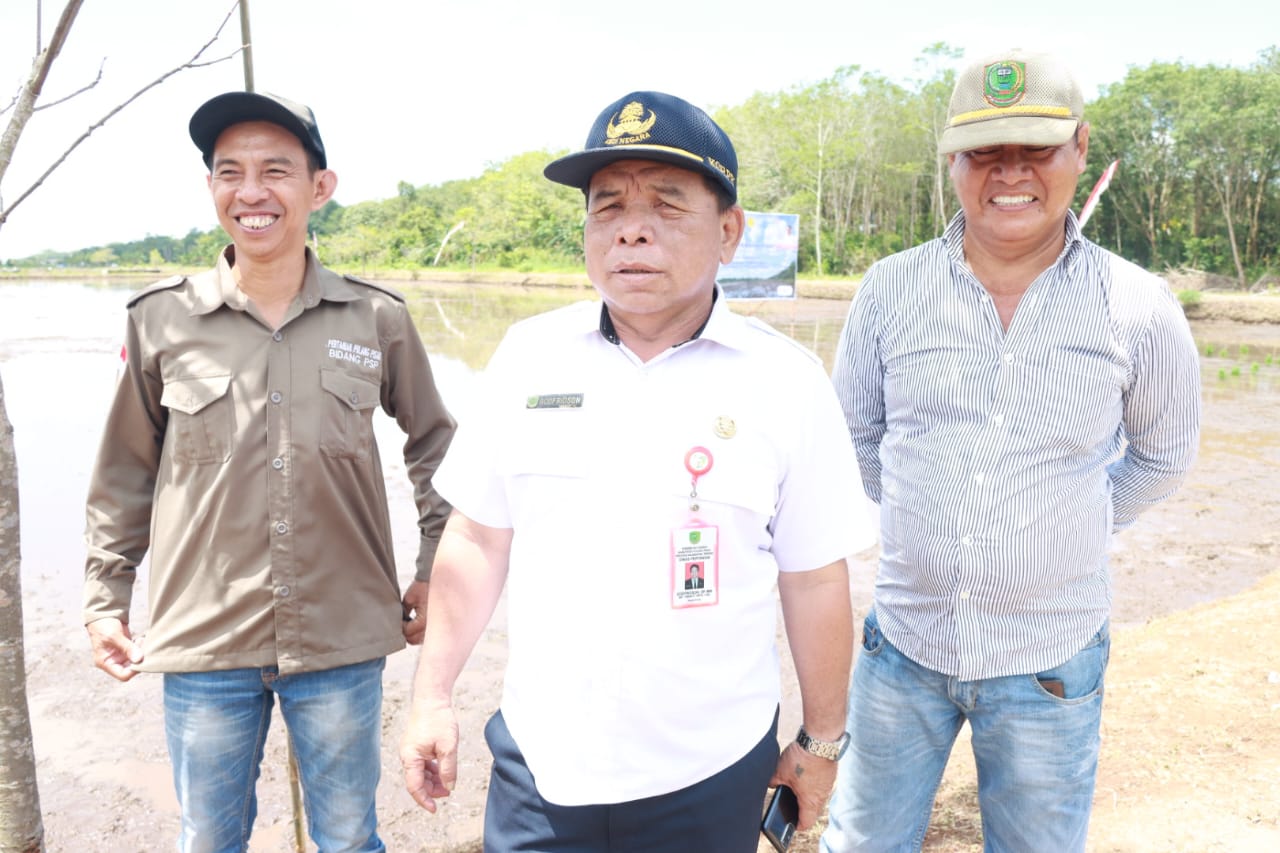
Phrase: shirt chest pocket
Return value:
(346, 416)
(742, 482)
(1079, 400)
(201, 419)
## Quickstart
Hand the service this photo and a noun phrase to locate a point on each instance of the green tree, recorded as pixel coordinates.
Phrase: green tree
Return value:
(1135, 121)
(1228, 124)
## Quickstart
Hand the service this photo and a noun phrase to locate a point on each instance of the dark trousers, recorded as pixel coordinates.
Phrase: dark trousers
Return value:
(720, 814)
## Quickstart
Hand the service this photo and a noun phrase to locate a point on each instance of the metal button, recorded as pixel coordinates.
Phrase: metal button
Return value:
(277, 336)
(282, 528)
(277, 463)
(283, 592)
(355, 398)
(276, 397)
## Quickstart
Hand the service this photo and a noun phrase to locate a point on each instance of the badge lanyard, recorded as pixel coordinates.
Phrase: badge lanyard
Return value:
(695, 546)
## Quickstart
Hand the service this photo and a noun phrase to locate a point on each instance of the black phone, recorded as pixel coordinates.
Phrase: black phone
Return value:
(779, 824)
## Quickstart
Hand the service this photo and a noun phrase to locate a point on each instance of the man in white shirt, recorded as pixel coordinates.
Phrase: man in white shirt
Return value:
(630, 437)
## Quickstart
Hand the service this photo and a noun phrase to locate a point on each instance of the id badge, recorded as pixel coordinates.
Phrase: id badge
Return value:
(695, 565)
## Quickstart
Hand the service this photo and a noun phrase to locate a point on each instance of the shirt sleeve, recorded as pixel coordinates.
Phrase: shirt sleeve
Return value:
(1161, 414)
(118, 508)
(858, 376)
(469, 475)
(411, 397)
(822, 515)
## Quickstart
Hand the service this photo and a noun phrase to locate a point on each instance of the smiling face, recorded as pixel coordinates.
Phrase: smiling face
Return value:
(654, 240)
(1016, 197)
(264, 191)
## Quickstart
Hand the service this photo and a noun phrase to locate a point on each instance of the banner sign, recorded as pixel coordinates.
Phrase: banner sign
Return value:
(764, 266)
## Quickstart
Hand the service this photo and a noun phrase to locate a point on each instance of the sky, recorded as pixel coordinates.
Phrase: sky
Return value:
(426, 91)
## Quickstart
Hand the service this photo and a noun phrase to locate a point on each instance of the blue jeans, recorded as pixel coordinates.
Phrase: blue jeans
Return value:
(1036, 753)
(216, 725)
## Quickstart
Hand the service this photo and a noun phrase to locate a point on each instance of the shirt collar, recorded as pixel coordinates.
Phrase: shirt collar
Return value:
(610, 333)
(317, 283)
(953, 238)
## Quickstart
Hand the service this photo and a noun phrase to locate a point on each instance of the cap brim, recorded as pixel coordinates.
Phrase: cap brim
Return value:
(575, 170)
(1007, 130)
(217, 114)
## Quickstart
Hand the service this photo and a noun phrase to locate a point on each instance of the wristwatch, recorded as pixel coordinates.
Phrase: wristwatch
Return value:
(828, 749)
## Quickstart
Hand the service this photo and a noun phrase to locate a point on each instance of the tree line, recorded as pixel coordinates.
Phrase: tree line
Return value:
(855, 155)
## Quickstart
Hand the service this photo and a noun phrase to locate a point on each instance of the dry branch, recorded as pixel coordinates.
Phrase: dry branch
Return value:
(27, 100)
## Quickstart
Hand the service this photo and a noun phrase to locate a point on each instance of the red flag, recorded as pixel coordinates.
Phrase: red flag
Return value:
(1098, 189)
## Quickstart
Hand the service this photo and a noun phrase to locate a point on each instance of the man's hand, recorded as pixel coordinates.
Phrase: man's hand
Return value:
(429, 754)
(415, 612)
(812, 778)
(114, 651)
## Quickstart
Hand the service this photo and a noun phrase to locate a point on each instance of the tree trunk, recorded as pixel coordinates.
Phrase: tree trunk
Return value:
(1227, 197)
(20, 828)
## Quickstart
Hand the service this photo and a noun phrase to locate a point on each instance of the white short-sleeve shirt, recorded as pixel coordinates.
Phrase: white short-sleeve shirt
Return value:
(612, 693)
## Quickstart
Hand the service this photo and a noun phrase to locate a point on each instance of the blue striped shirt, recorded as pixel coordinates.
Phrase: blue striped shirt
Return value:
(1004, 460)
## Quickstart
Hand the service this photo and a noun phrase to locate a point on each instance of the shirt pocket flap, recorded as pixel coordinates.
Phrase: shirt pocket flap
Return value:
(192, 394)
(356, 393)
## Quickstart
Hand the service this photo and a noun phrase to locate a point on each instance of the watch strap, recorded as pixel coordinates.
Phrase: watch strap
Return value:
(828, 749)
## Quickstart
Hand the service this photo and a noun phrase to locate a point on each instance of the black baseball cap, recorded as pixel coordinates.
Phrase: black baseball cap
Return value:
(219, 113)
(652, 126)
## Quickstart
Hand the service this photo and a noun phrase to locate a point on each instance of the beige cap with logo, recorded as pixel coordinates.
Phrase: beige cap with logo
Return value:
(1012, 98)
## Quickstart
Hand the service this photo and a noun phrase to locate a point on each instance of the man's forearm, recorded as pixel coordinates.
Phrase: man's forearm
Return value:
(466, 582)
(819, 623)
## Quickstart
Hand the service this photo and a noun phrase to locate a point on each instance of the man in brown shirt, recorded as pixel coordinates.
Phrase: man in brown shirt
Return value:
(239, 451)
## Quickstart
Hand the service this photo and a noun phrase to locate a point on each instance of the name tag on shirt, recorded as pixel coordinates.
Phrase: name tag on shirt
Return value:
(553, 401)
(695, 566)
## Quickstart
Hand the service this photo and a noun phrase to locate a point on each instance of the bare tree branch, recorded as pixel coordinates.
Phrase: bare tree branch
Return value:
(27, 95)
(81, 90)
(30, 93)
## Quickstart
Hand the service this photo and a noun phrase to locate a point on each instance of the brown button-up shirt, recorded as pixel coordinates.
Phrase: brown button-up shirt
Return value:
(244, 459)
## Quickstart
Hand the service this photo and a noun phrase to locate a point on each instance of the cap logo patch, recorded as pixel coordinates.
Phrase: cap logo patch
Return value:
(1004, 83)
(629, 125)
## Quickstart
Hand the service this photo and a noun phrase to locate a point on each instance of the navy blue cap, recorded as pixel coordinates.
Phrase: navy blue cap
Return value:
(652, 126)
(219, 113)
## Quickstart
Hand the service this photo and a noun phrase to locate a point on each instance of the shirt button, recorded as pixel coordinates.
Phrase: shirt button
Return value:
(998, 420)
(977, 478)
(282, 528)
(276, 396)
(355, 398)
(1008, 358)
(964, 594)
(277, 336)
(966, 541)
(277, 463)
(283, 592)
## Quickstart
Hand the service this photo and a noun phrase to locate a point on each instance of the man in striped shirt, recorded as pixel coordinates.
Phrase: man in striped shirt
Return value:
(1016, 394)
